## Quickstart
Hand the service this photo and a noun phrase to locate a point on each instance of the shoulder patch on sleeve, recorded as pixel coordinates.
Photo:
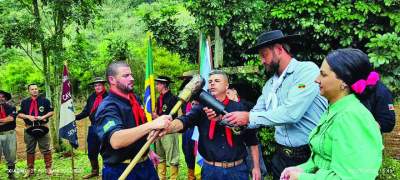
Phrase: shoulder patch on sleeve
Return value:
(108, 125)
(391, 107)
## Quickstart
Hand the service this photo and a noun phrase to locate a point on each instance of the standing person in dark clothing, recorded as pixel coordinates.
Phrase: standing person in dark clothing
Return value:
(122, 127)
(167, 147)
(36, 110)
(223, 151)
(90, 109)
(8, 137)
(380, 104)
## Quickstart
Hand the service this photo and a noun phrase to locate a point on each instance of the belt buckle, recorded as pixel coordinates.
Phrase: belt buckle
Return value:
(287, 151)
(224, 164)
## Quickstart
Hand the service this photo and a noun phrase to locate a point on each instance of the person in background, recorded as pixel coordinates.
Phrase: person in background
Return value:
(167, 147)
(347, 143)
(89, 110)
(8, 137)
(36, 111)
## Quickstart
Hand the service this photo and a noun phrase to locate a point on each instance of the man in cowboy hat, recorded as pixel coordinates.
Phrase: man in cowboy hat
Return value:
(290, 100)
(168, 146)
(8, 137)
(90, 109)
(36, 111)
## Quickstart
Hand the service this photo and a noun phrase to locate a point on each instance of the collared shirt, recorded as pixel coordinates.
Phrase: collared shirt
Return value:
(218, 149)
(346, 144)
(380, 104)
(10, 111)
(44, 107)
(89, 104)
(169, 100)
(115, 114)
(299, 105)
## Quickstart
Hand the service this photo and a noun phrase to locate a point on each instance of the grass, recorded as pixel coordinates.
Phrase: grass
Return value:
(62, 167)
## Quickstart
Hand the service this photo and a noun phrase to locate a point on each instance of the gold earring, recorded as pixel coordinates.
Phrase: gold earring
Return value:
(343, 86)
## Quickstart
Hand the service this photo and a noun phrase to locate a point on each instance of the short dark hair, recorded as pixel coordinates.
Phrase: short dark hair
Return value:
(113, 66)
(349, 65)
(220, 72)
(31, 84)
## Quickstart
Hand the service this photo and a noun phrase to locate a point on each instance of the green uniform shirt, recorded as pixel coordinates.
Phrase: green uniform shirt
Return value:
(347, 143)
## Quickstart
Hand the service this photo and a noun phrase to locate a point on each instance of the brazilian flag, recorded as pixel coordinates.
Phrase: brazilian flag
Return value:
(149, 93)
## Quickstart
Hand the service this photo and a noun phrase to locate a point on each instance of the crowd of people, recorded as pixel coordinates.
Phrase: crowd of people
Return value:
(313, 110)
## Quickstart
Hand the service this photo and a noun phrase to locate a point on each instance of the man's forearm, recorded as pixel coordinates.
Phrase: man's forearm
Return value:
(7, 119)
(175, 126)
(255, 156)
(49, 114)
(126, 137)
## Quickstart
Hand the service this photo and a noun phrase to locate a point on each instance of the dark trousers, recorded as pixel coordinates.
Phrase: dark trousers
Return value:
(93, 143)
(286, 157)
(142, 171)
(210, 172)
(188, 148)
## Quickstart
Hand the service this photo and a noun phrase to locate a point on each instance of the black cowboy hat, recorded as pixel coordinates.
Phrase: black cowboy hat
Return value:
(164, 79)
(269, 38)
(6, 94)
(98, 80)
(37, 130)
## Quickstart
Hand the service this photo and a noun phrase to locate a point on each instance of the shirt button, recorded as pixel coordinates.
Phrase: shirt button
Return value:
(223, 135)
(223, 147)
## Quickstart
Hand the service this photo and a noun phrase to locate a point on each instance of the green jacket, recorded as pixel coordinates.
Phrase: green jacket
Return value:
(347, 143)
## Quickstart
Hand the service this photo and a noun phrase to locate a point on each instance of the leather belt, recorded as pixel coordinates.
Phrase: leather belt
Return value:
(142, 159)
(225, 164)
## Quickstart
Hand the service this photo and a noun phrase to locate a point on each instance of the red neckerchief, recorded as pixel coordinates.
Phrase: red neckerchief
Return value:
(160, 103)
(2, 112)
(137, 110)
(33, 108)
(228, 131)
(97, 101)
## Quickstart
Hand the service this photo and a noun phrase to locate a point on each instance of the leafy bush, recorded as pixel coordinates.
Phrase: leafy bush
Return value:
(390, 169)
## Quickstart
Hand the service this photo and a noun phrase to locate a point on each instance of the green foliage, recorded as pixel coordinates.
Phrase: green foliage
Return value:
(239, 22)
(384, 53)
(390, 169)
(172, 26)
(17, 74)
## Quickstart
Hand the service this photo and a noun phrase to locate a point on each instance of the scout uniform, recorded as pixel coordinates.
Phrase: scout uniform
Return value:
(380, 104)
(223, 151)
(117, 113)
(8, 137)
(93, 141)
(168, 146)
(36, 107)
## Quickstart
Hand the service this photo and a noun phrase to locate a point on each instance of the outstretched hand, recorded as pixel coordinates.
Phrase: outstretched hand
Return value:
(237, 118)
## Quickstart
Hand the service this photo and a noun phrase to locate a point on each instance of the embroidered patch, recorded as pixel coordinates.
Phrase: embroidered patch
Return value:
(164, 108)
(301, 86)
(108, 125)
(41, 109)
(391, 107)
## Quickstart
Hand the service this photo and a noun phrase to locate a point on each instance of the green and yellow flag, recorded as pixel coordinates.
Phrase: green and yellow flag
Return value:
(149, 93)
